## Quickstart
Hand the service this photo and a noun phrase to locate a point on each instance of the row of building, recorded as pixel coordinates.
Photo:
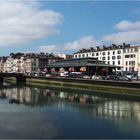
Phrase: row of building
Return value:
(125, 56)
(27, 62)
(121, 58)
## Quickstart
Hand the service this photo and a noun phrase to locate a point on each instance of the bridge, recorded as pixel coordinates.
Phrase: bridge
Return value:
(20, 78)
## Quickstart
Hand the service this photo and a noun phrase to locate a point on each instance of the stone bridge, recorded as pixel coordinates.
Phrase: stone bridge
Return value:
(20, 78)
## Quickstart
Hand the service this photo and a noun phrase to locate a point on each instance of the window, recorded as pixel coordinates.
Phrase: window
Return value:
(92, 54)
(34, 63)
(130, 63)
(126, 63)
(126, 56)
(75, 56)
(79, 55)
(83, 55)
(118, 62)
(108, 57)
(103, 53)
(108, 62)
(126, 68)
(133, 62)
(132, 68)
(113, 52)
(119, 52)
(118, 68)
(113, 57)
(119, 57)
(97, 54)
(113, 62)
(103, 58)
(87, 54)
(108, 53)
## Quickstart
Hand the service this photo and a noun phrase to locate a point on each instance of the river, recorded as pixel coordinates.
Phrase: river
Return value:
(30, 112)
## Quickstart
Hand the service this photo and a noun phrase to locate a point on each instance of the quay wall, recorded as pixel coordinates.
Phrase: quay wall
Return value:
(118, 87)
(128, 84)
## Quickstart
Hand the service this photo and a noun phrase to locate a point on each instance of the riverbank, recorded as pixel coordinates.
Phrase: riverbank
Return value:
(105, 87)
(115, 88)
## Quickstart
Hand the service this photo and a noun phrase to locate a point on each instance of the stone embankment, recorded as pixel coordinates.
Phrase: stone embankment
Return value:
(104, 86)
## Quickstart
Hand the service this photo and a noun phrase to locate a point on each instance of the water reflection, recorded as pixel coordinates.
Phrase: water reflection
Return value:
(92, 105)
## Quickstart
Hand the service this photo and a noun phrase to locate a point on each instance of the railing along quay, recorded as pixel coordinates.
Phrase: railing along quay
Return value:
(129, 84)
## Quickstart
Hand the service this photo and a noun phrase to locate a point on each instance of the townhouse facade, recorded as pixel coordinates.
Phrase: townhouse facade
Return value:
(131, 59)
(2, 62)
(27, 63)
(125, 56)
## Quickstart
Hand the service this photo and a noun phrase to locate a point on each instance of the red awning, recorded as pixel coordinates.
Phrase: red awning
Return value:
(71, 69)
(52, 70)
(61, 70)
(83, 69)
(45, 70)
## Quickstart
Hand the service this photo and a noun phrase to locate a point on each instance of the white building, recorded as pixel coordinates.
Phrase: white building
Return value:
(131, 59)
(13, 63)
(113, 54)
(126, 56)
(8, 64)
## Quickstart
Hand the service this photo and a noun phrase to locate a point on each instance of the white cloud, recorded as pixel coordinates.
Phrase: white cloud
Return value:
(84, 42)
(120, 37)
(49, 49)
(24, 21)
(128, 25)
(130, 33)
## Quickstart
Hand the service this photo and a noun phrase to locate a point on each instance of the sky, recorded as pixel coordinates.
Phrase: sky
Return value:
(54, 26)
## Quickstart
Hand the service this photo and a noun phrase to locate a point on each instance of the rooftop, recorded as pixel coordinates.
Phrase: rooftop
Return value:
(104, 48)
(79, 62)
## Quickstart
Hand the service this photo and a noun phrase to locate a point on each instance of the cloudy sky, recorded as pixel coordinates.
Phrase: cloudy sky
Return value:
(66, 26)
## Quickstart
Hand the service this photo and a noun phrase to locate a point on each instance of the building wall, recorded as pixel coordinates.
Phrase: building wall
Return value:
(112, 57)
(126, 57)
(138, 62)
(130, 59)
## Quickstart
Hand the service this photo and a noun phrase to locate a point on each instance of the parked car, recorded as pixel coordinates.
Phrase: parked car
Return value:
(123, 78)
(48, 75)
(129, 76)
(74, 75)
(86, 77)
(112, 77)
(135, 78)
(105, 77)
(95, 77)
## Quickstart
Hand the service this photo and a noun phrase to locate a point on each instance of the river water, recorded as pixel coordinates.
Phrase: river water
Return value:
(30, 112)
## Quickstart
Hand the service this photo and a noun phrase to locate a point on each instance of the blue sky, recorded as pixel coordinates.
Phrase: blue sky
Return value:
(66, 26)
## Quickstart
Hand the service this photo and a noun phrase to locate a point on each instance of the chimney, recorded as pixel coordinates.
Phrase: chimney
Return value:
(113, 45)
(124, 45)
(98, 48)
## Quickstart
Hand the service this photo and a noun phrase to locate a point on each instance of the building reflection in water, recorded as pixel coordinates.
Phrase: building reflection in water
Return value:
(89, 104)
